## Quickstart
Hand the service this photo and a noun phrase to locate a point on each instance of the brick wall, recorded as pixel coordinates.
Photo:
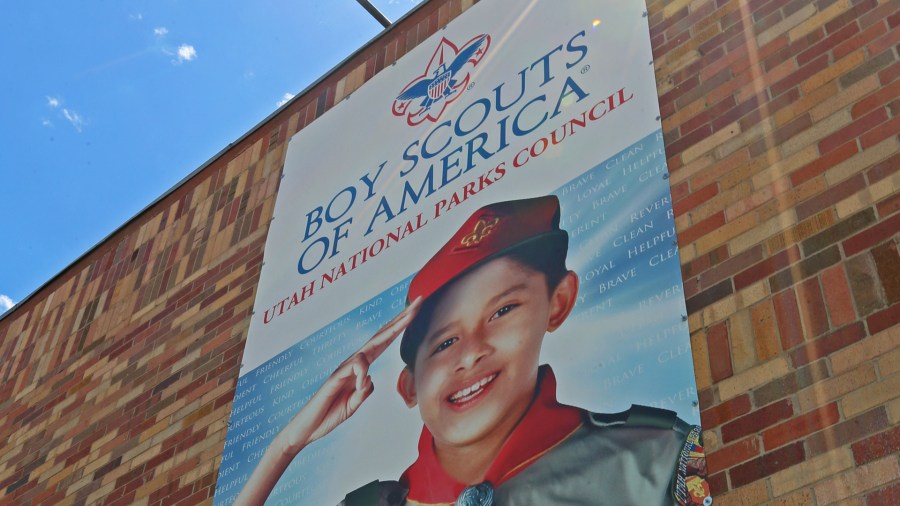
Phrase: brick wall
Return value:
(781, 129)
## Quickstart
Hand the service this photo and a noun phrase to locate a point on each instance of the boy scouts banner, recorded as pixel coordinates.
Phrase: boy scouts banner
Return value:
(550, 104)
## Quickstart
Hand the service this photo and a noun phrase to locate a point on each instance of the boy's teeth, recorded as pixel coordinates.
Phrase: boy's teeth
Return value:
(471, 389)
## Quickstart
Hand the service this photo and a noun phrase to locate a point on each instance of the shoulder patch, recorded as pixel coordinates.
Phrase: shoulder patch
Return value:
(690, 487)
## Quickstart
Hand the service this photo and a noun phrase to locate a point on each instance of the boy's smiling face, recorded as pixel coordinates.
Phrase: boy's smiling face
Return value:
(476, 368)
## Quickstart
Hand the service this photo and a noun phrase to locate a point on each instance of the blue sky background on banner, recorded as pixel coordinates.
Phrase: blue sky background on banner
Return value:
(108, 104)
(624, 343)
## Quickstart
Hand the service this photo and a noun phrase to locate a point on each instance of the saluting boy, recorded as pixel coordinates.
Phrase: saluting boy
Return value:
(493, 431)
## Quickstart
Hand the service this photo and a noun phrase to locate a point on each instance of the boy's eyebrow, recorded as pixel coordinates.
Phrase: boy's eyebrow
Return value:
(491, 301)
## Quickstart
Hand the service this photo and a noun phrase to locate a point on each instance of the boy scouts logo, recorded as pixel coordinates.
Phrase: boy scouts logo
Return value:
(444, 80)
(482, 229)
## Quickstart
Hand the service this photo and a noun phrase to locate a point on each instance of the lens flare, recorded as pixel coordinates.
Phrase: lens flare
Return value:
(596, 23)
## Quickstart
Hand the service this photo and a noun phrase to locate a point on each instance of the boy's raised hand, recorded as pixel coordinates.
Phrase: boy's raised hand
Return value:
(337, 399)
(345, 390)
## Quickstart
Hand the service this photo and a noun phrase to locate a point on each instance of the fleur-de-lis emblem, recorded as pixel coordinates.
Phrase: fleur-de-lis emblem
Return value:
(482, 229)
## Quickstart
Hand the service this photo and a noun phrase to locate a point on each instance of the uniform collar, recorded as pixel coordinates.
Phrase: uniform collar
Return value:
(546, 424)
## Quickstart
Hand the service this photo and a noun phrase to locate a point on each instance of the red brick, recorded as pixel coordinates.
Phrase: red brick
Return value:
(812, 307)
(827, 344)
(700, 229)
(788, 317)
(695, 199)
(884, 319)
(767, 464)
(880, 133)
(719, 352)
(704, 262)
(823, 163)
(888, 40)
(887, 262)
(728, 410)
(734, 453)
(680, 191)
(878, 99)
(675, 148)
(877, 446)
(854, 129)
(883, 169)
(831, 196)
(767, 267)
(707, 115)
(837, 296)
(802, 74)
(889, 206)
(718, 482)
(757, 420)
(872, 236)
(731, 266)
(887, 496)
(828, 43)
(889, 73)
(801, 426)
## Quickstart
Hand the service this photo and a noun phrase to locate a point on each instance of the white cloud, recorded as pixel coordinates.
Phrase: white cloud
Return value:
(284, 99)
(53, 101)
(5, 303)
(74, 118)
(160, 31)
(46, 122)
(186, 52)
(136, 16)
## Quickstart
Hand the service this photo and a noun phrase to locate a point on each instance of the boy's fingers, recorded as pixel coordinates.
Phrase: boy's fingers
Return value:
(391, 330)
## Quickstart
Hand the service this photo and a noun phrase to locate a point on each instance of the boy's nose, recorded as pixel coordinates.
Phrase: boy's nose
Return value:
(474, 349)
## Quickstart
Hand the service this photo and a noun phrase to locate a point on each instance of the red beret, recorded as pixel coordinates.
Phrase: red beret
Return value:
(492, 231)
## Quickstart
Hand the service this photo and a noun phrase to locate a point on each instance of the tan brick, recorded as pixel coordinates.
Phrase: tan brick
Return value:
(752, 378)
(816, 132)
(780, 168)
(818, 20)
(893, 409)
(861, 161)
(753, 494)
(701, 360)
(843, 99)
(798, 498)
(707, 144)
(785, 25)
(865, 350)
(720, 310)
(747, 137)
(821, 393)
(811, 471)
(722, 234)
(858, 480)
(889, 363)
(763, 231)
(868, 196)
(740, 332)
(870, 396)
(805, 103)
(675, 6)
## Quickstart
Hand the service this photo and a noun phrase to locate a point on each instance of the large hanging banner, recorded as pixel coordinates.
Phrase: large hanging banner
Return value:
(472, 263)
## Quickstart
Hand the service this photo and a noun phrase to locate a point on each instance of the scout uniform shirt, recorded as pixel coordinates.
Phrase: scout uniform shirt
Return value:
(560, 454)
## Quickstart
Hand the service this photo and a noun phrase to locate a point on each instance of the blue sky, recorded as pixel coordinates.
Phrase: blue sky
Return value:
(108, 104)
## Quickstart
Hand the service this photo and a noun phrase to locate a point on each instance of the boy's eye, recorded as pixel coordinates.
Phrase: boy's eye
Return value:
(446, 343)
(503, 310)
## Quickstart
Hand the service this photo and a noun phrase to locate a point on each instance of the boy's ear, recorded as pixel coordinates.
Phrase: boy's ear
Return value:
(562, 300)
(406, 387)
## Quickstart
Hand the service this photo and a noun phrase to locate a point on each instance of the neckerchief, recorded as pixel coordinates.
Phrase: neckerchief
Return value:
(546, 424)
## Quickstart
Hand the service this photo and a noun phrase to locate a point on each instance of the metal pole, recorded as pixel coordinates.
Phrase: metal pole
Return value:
(385, 22)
